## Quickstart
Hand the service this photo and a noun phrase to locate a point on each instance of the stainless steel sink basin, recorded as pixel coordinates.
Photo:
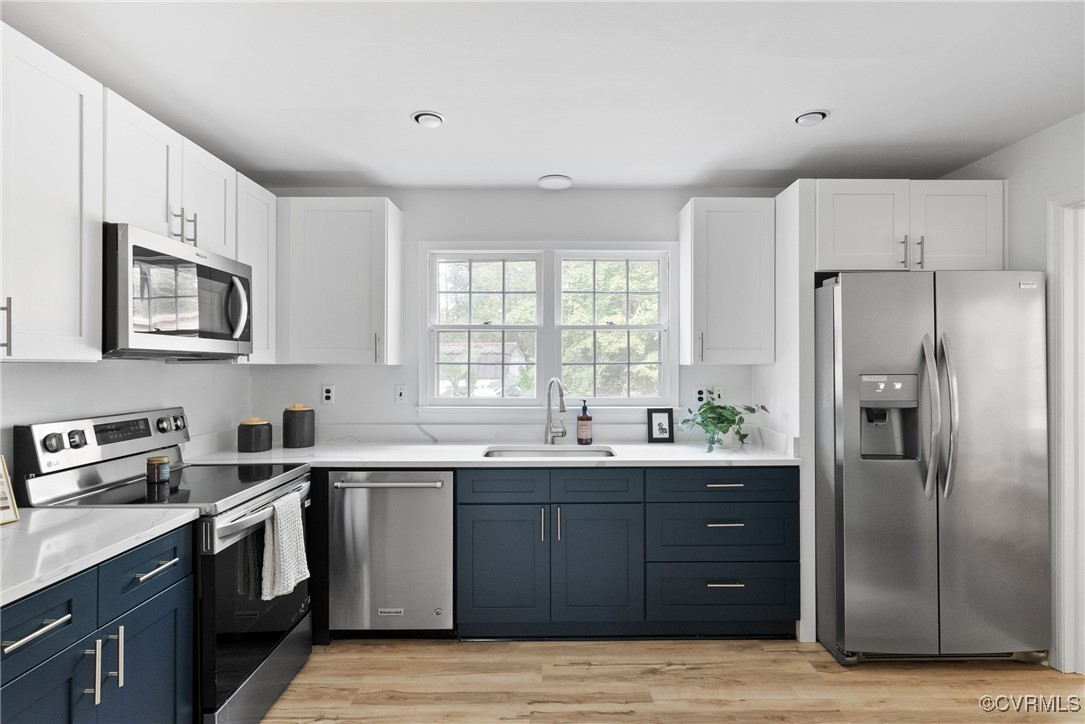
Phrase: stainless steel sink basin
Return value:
(547, 451)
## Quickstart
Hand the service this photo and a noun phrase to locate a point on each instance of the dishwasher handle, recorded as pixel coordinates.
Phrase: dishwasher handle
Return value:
(345, 485)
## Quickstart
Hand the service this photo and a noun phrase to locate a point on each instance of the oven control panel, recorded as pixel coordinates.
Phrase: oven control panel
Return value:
(53, 446)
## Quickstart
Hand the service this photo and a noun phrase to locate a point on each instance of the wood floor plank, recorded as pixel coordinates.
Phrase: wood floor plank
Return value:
(687, 682)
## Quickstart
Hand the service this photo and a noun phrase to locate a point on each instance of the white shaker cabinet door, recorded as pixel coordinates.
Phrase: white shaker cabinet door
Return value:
(862, 224)
(52, 206)
(727, 287)
(956, 225)
(340, 280)
(256, 242)
(142, 169)
(209, 198)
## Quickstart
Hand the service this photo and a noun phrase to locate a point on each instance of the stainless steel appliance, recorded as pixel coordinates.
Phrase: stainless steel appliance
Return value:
(931, 464)
(165, 299)
(248, 649)
(390, 550)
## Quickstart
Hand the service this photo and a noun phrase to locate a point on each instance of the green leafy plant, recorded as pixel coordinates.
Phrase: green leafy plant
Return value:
(717, 420)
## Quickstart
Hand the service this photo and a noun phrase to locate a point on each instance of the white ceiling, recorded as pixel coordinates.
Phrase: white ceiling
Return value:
(614, 94)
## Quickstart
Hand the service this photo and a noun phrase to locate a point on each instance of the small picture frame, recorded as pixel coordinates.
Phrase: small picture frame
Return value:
(660, 424)
(9, 512)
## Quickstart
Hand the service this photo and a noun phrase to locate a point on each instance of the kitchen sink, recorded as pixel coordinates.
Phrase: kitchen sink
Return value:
(547, 451)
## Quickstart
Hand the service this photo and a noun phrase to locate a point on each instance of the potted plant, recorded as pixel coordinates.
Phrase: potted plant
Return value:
(717, 420)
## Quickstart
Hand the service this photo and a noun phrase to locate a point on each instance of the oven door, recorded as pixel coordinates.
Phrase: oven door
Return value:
(238, 630)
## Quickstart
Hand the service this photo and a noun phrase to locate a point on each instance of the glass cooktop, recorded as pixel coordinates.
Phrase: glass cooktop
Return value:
(211, 488)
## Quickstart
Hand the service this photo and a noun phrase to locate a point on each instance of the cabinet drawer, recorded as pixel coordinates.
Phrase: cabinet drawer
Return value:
(120, 587)
(513, 485)
(695, 485)
(597, 485)
(722, 531)
(75, 598)
(723, 591)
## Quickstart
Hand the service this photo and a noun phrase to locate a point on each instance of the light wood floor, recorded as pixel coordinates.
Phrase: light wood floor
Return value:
(651, 681)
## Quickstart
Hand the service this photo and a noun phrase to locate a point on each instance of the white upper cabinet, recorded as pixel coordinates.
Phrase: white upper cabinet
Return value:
(142, 169)
(339, 281)
(726, 256)
(209, 196)
(51, 244)
(878, 224)
(256, 247)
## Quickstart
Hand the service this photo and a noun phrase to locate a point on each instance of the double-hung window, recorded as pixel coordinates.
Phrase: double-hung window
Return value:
(500, 324)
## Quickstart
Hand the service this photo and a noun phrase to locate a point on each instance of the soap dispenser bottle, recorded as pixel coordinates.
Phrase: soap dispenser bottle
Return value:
(583, 425)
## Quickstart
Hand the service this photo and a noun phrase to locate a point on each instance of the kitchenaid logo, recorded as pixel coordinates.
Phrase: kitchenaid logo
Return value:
(1021, 703)
(389, 611)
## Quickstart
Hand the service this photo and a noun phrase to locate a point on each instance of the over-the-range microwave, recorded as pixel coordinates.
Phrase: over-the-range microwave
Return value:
(165, 299)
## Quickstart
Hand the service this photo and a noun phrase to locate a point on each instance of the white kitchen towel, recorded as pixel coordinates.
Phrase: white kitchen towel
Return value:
(285, 564)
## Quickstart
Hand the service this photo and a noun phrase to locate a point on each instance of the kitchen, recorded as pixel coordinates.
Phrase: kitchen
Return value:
(479, 199)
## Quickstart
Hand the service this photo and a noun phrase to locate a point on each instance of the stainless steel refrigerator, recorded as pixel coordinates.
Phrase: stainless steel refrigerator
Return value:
(931, 464)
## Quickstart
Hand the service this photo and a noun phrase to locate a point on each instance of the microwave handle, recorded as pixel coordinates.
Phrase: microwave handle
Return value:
(243, 318)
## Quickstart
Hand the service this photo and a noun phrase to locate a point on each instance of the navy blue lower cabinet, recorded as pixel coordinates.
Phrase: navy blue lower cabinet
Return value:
(723, 591)
(597, 562)
(502, 564)
(54, 691)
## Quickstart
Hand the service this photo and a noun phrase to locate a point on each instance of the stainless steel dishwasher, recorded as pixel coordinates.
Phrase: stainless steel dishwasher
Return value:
(391, 550)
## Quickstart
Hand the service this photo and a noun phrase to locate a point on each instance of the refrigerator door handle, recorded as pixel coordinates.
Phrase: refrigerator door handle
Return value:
(936, 417)
(954, 417)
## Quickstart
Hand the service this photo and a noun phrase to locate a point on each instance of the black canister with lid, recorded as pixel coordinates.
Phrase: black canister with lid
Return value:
(299, 426)
(254, 435)
(158, 479)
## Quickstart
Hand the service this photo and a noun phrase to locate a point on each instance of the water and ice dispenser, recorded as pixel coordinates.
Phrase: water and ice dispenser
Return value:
(889, 411)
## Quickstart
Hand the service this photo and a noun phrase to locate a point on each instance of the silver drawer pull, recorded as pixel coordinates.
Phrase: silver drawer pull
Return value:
(725, 585)
(725, 485)
(162, 566)
(343, 485)
(119, 673)
(726, 525)
(48, 625)
(96, 652)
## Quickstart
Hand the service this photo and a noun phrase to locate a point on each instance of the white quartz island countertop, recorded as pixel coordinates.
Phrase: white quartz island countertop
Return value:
(463, 455)
(46, 545)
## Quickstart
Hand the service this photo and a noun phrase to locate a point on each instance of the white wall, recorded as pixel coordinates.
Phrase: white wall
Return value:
(1038, 167)
(364, 395)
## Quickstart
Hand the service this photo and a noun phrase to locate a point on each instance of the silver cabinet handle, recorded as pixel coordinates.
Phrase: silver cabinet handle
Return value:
(542, 524)
(119, 673)
(725, 485)
(701, 357)
(936, 417)
(376, 347)
(922, 251)
(162, 567)
(243, 318)
(171, 215)
(96, 652)
(904, 242)
(195, 231)
(343, 485)
(559, 523)
(48, 625)
(954, 417)
(725, 585)
(726, 525)
(7, 308)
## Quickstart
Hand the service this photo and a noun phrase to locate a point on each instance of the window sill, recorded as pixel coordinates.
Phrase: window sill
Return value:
(531, 415)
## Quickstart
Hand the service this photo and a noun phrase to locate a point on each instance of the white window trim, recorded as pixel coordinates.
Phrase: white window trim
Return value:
(549, 301)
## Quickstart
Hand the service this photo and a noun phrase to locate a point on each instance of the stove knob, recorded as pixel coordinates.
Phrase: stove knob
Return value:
(164, 424)
(77, 439)
(53, 442)
(178, 422)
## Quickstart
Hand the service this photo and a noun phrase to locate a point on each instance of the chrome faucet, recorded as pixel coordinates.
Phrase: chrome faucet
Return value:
(553, 430)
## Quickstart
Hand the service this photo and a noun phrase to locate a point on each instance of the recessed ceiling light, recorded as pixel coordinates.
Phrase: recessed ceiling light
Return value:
(555, 182)
(427, 119)
(811, 118)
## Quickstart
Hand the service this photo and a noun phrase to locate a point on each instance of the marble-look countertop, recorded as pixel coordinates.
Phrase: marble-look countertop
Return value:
(355, 454)
(47, 545)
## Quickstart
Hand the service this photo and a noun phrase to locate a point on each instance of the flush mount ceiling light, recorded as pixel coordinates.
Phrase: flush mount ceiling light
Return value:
(555, 182)
(811, 118)
(427, 119)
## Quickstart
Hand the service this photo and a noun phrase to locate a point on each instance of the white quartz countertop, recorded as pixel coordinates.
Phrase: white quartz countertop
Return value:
(47, 545)
(463, 455)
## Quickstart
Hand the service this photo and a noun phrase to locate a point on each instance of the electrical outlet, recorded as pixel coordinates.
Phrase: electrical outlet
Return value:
(327, 394)
(704, 392)
(401, 394)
